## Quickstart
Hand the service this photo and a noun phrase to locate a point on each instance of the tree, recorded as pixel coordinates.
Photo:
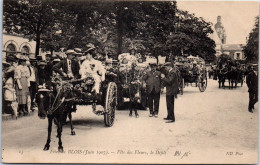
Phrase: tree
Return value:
(31, 18)
(251, 48)
(156, 28)
(191, 36)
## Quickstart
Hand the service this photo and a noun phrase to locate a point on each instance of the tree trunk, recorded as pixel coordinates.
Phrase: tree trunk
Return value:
(38, 42)
(119, 29)
(79, 30)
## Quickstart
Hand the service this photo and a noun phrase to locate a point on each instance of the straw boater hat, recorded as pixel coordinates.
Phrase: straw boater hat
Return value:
(5, 64)
(78, 54)
(77, 50)
(70, 52)
(22, 58)
(90, 47)
(167, 64)
(42, 63)
(56, 60)
(32, 59)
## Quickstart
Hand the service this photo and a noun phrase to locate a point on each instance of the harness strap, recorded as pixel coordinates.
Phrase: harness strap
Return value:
(56, 97)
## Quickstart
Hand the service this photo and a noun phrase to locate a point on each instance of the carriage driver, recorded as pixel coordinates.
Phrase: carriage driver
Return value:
(92, 67)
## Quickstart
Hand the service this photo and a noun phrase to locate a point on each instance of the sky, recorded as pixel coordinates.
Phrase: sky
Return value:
(238, 17)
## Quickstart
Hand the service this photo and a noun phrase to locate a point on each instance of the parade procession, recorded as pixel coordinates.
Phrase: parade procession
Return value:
(157, 76)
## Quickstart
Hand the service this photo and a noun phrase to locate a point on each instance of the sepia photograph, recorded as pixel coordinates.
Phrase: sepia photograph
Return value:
(130, 82)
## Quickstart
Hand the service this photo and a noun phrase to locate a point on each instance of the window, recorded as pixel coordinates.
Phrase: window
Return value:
(25, 50)
(238, 56)
(10, 49)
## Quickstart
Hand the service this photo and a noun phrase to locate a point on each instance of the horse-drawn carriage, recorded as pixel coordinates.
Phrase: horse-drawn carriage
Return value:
(60, 100)
(192, 75)
(228, 69)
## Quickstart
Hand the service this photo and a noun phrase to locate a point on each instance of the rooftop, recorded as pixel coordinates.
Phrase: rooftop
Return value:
(233, 46)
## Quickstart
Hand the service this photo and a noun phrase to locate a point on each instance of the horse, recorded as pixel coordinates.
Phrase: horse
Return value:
(222, 75)
(56, 105)
(232, 78)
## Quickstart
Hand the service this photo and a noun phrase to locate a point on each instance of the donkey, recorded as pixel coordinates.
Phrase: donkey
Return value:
(56, 106)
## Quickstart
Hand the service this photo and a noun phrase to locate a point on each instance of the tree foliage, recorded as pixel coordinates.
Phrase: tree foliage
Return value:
(32, 18)
(155, 27)
(251, 48)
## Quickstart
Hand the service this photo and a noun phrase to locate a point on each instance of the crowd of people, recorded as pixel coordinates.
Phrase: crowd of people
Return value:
(22, 76)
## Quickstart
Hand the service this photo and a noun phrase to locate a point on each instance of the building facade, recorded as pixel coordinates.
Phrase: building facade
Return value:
(235, 51)
(12, 44)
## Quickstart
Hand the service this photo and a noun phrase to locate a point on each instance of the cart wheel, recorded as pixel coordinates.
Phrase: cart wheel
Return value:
(110, 104)
(203, 84)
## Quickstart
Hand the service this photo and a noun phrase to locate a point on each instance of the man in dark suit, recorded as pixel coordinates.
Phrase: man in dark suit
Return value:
(34, 80)
(252, 84)
(70, 68)
(153, 87)
(48, 69)
(171, 82)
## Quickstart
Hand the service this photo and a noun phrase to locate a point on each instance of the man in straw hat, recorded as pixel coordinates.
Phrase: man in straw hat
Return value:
(93, 67)
(68, 67)
(153, 88)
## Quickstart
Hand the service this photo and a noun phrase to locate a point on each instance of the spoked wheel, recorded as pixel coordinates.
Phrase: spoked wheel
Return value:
(110, 104)
(203, 84)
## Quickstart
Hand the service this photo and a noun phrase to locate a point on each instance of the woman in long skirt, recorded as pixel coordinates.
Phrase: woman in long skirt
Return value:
(21, 76)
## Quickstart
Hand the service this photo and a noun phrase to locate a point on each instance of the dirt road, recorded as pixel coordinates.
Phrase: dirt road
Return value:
(211, 127)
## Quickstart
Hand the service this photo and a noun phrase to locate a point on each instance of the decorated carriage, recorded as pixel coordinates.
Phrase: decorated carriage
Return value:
(131, 86)
(191, 74)
(82, 93)
(59, 100)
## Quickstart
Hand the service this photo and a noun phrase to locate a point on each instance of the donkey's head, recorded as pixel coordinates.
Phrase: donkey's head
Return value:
(43, 100)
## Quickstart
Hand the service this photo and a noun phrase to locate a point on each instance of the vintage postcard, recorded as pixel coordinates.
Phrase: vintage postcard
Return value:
(135, 82)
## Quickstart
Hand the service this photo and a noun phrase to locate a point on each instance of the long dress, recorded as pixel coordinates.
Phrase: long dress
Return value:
(22, 73)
